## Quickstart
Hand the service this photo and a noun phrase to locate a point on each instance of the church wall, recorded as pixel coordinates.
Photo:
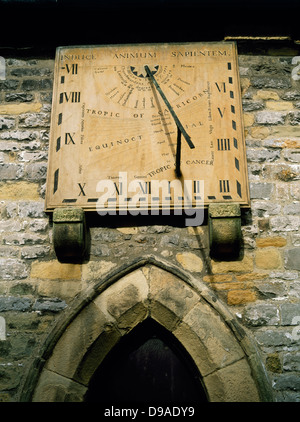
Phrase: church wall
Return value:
(261, 288)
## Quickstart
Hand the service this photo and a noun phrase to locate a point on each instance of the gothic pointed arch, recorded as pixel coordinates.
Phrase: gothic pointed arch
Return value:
(225, 355)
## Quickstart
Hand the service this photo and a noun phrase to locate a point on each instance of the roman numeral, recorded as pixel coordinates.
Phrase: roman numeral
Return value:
(73, 68)
(223, 144)
(73, 97)
(196, 186)
(68, 139)
(119, 189)
(224, 185)
(81, 187)
(221, 112)
(145, 187)
(221, 87)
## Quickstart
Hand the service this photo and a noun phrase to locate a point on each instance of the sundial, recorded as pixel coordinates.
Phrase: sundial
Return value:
(126, 117)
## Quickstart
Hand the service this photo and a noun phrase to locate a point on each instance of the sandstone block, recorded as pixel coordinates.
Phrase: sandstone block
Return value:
(19, 191)
(245, 265)
(279, 105)
(89, 326)
(171, 293)
(240, 297)
(248, 119)
(266, 95)
(53, 270)
(238, 377)
(218, 278)
(276, 241)
(53, 387)
(268, 259)
(214, 334)
(260, 132)
(66, 290)
(20, 108)
(94, 270)
(124, 299)
(190, 261)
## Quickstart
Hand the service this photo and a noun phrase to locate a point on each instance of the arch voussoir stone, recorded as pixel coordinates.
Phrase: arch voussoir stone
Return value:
(183, 306)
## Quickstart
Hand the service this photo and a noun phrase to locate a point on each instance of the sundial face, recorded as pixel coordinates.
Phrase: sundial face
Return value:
(109, 123)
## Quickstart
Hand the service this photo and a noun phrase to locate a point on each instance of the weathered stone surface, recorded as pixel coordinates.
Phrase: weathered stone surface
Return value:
(271, 82)
(11, 303)
(273, 363)
(20, 108)
(214, 335)
(218, 381)
(285, 224)
(261, 314)
(72, 347)
(249, 105)
(263, 288)
(32, 209)
(241, 297)
(292, 156)
(33, 120)
(32, 252)
(291, 361)
(12, 269)
(292, 257)
(65, 290)
(55, 270)
(270, 117)
(56, 388)
(279, 105)
(19, 135)
(277, 241)
(9, 84)
(125, 299)
(287, 382)
(261, 190)
(292, 209)
(35, 172)
(262, 155)
(20, 97)
(290, 313)
(49, 305)
(7, 122)
(11, 171)
(190, 261)
(36, 85)
(244, 265)
(274, 338)
(19, 191)
(95, 270)
(171, 292)
(268, 259)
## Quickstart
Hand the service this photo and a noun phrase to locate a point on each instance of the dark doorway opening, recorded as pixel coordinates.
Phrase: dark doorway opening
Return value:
(149, 365)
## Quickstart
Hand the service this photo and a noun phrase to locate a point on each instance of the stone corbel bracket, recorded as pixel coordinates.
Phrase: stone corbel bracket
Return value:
(225, 235)
(69, 233)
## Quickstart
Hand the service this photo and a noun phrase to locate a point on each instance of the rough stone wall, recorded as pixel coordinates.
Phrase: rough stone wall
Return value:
(262, 288)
